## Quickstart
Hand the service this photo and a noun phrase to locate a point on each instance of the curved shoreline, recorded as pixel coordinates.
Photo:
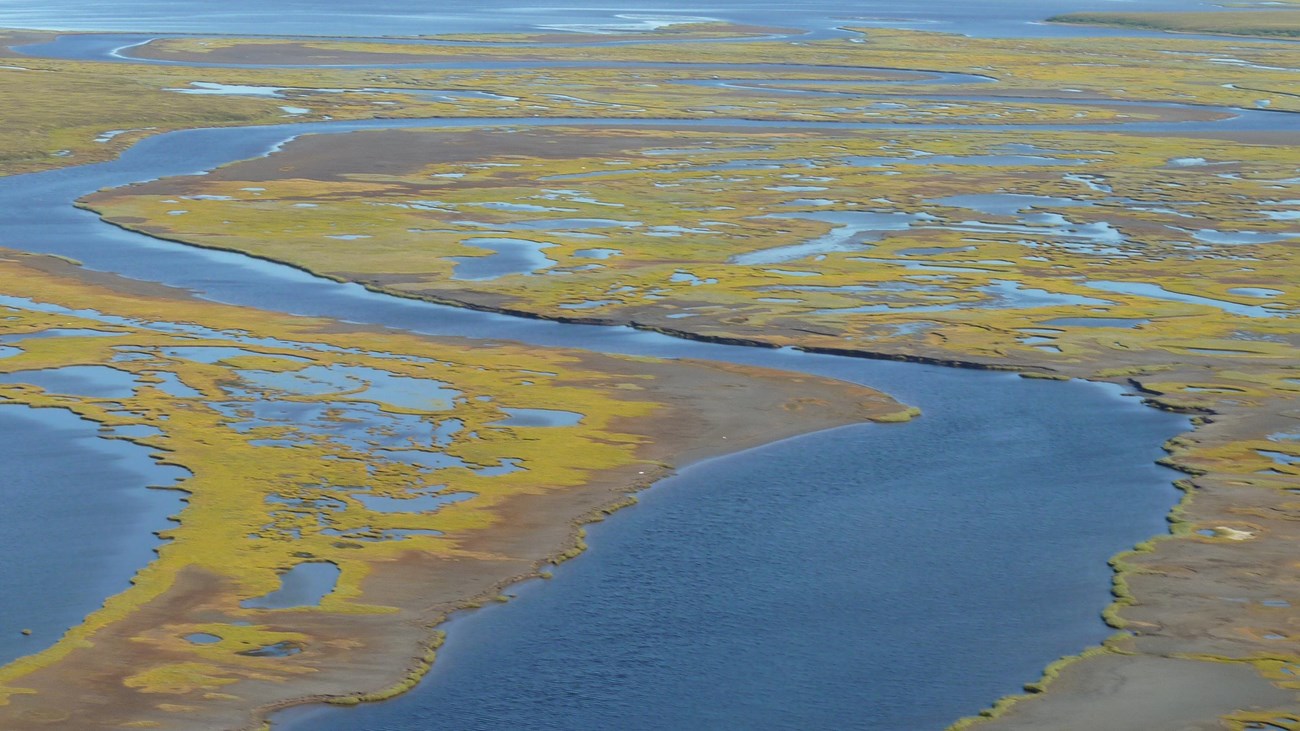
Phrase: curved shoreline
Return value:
(998, 708)
(389, 692)
(746, 342)
(759, 343)
(421, 665)
(609, 489)
(973, 364)
(1123, 571)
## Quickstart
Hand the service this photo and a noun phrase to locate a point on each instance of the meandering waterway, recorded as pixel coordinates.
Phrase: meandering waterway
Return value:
(867, 577)
(979, 533)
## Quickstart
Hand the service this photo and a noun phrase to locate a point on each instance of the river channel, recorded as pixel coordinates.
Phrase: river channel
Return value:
(872, 576)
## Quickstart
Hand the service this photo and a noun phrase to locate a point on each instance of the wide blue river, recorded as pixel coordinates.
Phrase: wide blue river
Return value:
(869, 577)
(864, 578)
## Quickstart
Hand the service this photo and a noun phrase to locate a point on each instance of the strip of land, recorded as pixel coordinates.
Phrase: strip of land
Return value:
(1259, 23)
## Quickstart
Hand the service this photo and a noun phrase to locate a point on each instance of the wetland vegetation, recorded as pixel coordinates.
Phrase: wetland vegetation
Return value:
(1064, 207)
(315, 445)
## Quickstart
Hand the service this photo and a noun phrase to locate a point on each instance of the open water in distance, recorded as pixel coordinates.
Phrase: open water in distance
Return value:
(419, 17)
(874, 577)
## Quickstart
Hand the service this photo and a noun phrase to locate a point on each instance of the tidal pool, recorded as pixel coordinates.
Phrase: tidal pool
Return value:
(1281, 458)
(1010, 295)
(416, 504)
(1124, 322)
(510, 256)
(1255, 291)
(586, 304)
(359, 383)
(304, 585)
(1007, 204)
(92, 381)
(279, 649)
(1146, 289)
(57, 332)
(1213, 236)
(135, 431)
(1002, 295)
(278, 92)
(539, 417)
(360, 426)
(597, 253)
(862, 161)
(171, 384)
(853, 231)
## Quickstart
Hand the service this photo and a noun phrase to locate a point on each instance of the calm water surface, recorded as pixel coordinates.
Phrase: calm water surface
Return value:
(926, 568)
(418, 17)
(871, 577)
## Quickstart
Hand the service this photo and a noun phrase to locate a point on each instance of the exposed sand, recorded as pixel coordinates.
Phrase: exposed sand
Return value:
(1141, 693)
